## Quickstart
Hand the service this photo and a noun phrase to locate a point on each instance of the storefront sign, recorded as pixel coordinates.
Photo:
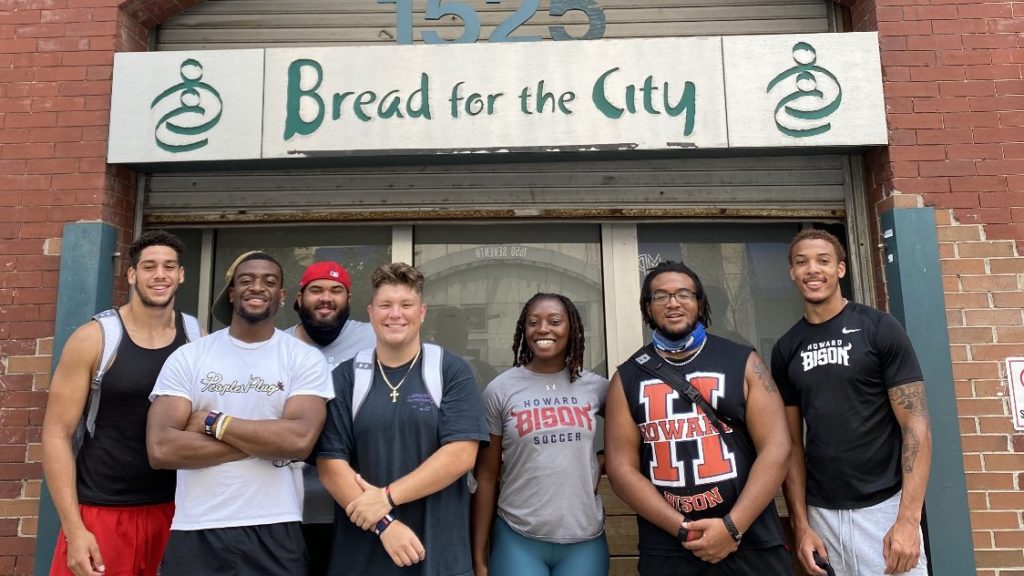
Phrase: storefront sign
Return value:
(647, 94)
(1015, 376)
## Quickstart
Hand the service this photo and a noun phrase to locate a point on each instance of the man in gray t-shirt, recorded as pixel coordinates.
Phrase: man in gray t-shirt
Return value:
(544, 420)
(323, 306)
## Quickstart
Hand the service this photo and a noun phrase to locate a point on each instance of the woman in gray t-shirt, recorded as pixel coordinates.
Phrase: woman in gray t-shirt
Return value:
(542, 418)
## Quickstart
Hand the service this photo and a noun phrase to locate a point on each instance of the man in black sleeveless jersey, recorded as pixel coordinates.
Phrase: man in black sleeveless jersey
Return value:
(111, 485)
(850, 374)
(703, 495)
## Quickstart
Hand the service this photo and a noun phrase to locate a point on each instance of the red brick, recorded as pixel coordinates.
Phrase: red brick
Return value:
(920, 185)
(30, 120)
(983, 216)
(971, 120)
(59, 73)
(968, 88)
(989, 481)
(988, 282)
(41, 31)
(997, 103)
(974, 151)
(997, 352)
(993, 167)
(984, 443)
(87, 58)
(917, 27)
(964, 57)
(977, 184)
(941, 105)
(58, 104)
(944, 73)
(913, 57)
(998, 135)
(1006, 199)
(927, 89)
(948, 168)
(934, 42)
(1006, 265)
(107, 28)
(62, 44)
(1008, 299)
(960, 300)
(993, 72)
(968, 370)
(947, 136)
(961, 26)
(1005, 231)
(975, 10)
(41, 150)
(1009, 87)
(919, 152)
(930, 13)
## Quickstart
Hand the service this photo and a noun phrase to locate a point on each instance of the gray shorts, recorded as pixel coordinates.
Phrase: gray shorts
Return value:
(853, 538)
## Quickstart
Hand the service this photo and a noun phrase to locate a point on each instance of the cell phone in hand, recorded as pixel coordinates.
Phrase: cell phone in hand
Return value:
(823, 564)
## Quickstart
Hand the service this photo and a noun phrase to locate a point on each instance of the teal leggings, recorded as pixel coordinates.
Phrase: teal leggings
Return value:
(513, 554)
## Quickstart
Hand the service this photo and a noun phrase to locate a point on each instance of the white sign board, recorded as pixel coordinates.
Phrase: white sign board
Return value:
(637, 94)
(1015, 378)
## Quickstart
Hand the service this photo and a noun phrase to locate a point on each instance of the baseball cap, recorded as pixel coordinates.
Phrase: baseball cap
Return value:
(324, 270)
(221, 308)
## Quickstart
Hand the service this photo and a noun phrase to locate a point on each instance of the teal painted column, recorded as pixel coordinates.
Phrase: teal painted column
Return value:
(915, 298)
(86, 286)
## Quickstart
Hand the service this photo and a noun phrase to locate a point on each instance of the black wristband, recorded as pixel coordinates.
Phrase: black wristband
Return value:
(383, 524)
(731, 527)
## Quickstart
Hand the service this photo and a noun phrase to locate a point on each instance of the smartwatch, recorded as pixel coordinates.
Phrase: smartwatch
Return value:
(731, 527)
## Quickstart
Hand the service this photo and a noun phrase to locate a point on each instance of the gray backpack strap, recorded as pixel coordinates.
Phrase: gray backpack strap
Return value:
(362, 378)
(192, 330)
(432, 377)
(111, 329)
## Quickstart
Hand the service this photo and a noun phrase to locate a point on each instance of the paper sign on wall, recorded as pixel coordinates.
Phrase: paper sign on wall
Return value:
(1015, 376)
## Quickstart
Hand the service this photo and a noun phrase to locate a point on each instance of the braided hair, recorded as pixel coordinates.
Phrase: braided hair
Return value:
(521, 352)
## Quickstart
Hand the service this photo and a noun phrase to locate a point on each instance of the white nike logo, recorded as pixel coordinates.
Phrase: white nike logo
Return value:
(848, 331)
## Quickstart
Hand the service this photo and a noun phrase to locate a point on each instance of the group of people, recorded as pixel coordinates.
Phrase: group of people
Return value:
(349, 448)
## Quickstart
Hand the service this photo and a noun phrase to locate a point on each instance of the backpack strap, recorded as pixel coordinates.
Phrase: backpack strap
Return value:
(649, 361)
(432, 377)
(192, 330)
(363, 367)
(112, 330)
(363, 377)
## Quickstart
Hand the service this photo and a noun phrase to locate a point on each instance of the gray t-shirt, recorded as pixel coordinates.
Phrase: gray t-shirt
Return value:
(317, 503)
(549, 472)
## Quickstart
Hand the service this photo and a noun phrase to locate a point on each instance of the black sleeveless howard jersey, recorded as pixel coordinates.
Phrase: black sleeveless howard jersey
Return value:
(697, 470)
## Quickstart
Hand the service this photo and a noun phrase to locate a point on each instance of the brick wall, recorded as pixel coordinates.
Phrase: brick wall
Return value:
(55, 67)
(955, 102)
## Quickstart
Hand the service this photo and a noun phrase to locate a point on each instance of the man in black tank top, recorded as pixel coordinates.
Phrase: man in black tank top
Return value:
(110, 484)
(703, 494)
(849, 372)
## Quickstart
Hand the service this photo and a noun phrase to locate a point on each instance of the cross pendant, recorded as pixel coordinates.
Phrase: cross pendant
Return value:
(394, 396)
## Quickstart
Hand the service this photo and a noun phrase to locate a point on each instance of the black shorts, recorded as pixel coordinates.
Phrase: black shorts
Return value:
(266, 550)
(774, 561)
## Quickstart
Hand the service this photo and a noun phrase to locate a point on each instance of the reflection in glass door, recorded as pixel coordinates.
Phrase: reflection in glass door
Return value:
(479, 277)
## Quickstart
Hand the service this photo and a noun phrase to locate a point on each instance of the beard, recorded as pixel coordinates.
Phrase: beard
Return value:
(322, 331)
(676, 335)
(150, 303)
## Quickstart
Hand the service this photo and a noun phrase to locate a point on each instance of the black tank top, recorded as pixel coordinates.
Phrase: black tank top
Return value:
(693, 467)
(113, 468)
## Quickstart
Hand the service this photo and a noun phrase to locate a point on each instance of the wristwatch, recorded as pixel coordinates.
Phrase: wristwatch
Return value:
(731, 527)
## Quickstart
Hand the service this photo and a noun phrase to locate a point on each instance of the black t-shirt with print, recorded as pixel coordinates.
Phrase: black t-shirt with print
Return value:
(388, 440)
(839, 373)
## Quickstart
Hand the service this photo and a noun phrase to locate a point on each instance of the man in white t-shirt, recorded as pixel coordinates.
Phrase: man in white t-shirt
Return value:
(230, 412)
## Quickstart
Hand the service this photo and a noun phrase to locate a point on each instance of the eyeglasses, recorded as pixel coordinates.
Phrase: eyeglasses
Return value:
(682, 296)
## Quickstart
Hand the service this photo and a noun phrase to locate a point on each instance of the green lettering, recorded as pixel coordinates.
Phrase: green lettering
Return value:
(368, 97)
(392, 108)
(336, 104)
(602, 103)
(293, 122)
(423, 93)
(687, 102)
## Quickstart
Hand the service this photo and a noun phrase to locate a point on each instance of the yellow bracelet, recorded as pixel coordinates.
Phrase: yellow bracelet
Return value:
(223, 427)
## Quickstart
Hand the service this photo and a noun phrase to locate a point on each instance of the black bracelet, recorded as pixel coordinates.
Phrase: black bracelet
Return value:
(383, 524)
(731, 527)
(387, 492)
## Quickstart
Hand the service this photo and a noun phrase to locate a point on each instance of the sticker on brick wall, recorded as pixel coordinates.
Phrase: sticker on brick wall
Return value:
(1015, 376)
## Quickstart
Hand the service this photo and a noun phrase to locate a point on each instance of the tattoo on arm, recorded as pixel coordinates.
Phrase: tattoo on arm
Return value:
(911, 447)
(911, 398)
(762, 374)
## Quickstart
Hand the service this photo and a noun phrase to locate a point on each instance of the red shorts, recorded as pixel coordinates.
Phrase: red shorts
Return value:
(131, 538)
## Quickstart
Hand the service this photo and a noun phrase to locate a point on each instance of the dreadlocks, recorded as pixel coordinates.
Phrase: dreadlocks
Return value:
(521, 352)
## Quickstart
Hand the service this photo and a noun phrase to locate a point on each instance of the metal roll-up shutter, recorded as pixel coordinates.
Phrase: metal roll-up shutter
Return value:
(224, 24)
(736, 186)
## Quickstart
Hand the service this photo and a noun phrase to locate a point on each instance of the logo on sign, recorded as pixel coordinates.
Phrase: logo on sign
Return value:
(199, 108)
(816, 95)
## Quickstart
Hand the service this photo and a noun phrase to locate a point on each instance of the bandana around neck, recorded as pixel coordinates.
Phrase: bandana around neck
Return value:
(689, 344)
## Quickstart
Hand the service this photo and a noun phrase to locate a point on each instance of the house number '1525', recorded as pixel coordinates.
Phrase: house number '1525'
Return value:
(438, 9)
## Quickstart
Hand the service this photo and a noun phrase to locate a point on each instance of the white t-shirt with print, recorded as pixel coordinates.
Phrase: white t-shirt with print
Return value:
(245, 380)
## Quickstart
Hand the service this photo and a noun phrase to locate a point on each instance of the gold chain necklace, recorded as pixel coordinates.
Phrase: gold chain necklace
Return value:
(395, 387)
